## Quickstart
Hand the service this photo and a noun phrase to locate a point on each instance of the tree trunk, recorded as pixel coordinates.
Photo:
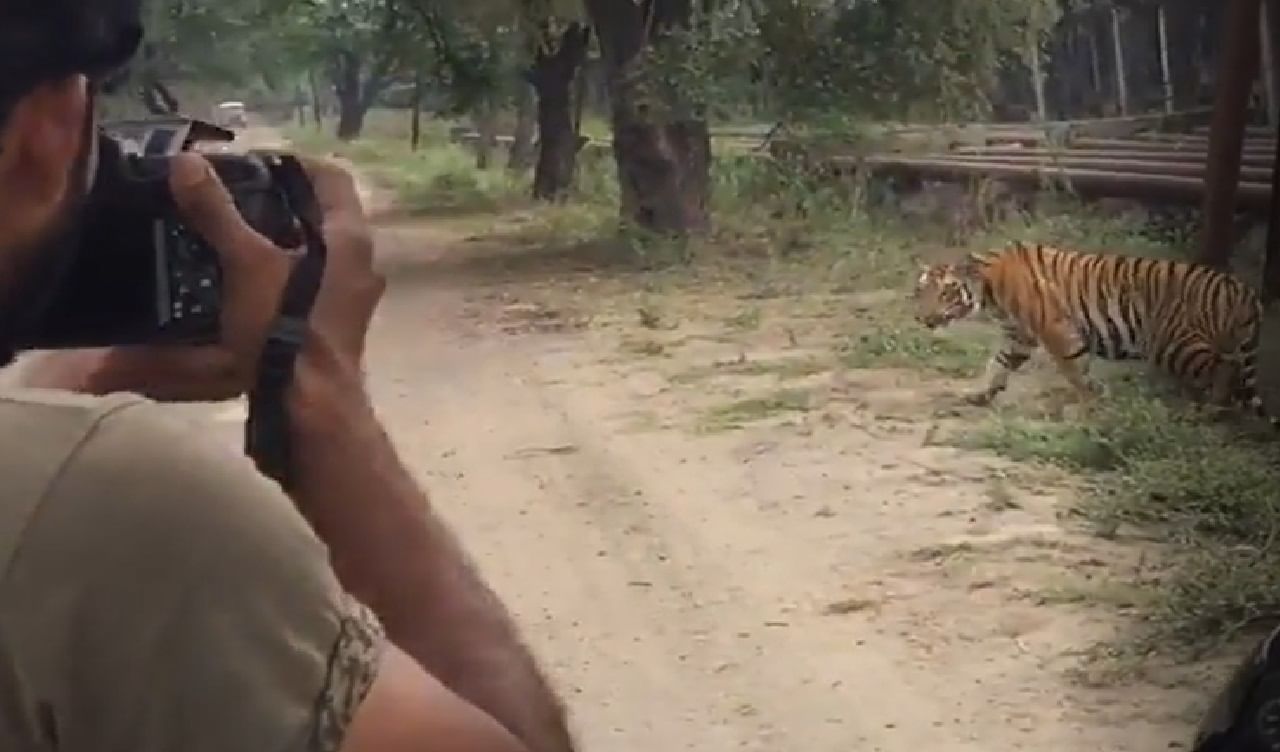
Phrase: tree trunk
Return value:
(1122, 84)
(1095, 72)
(1237, 69)
(415, 120)
(1271, 265)
(1166, 78)
(581, 90)
(1034, 57)
(663, 151)
(485, 120)
(350, 117)
(521, 155)
(317, 106)
(1184, 18)
(1270, 93)
(552, 76)
(355, 93)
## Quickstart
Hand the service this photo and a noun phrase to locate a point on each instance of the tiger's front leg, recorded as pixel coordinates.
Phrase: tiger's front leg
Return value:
(1013, 353)
(1070, 353)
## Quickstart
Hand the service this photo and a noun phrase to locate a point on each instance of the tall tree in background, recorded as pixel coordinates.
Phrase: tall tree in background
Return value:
(557, 59)
(660, 139)
(895, 59)
(199, 42)
(361, 45)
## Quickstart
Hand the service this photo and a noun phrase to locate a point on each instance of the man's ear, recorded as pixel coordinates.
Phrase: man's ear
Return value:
(41, 140)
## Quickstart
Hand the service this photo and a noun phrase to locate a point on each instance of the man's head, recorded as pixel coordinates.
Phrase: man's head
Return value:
(51, 53)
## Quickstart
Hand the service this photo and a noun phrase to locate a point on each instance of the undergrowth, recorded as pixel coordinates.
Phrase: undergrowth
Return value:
(439, 177)
(1207, 489)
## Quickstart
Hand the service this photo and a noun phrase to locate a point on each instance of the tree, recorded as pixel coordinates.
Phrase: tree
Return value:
(473, 53)
(895, 59)
(191, 42)
(660, 139)
(556, 62)
(362, 46)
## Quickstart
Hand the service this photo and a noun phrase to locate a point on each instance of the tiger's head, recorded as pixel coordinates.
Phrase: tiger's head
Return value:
(943, 295)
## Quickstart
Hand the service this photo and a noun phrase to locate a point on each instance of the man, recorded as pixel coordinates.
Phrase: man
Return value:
(156, 593)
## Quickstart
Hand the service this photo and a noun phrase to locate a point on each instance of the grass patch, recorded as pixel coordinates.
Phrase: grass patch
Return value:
(781, 368)
(738, 414)
(953, 354)
(1207, 490)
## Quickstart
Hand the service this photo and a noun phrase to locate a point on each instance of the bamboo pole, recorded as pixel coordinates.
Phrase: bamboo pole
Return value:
(1268, 67)
(1037, 74)
(1271, 266)
(1166, 77)
(1122, 88)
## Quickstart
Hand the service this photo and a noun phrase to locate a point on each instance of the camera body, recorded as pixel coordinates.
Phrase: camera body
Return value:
(140, 275)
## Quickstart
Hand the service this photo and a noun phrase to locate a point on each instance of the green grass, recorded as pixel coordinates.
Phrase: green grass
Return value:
(911, 346)
(440, 177)
(739, 413)
(1207, 490)
(781, 368)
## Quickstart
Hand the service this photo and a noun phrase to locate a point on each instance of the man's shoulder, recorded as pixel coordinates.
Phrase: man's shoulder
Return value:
(44, 434)
(47, 416)
(72, 459)
(40, 431)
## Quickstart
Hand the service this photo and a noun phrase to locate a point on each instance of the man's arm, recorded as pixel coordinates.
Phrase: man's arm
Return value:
(391, 550)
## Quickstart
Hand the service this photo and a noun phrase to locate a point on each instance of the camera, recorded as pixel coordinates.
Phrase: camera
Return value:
(139, 275)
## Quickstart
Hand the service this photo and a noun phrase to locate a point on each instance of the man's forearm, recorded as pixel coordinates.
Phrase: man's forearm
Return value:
(390, 550)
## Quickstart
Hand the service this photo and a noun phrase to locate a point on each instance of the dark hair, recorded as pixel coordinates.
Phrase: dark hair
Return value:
(45, 40)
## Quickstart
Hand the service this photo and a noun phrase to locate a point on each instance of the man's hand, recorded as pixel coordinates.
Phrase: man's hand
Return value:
(255, 271)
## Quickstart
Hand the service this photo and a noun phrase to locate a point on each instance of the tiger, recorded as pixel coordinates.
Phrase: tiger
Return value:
(1198, 324)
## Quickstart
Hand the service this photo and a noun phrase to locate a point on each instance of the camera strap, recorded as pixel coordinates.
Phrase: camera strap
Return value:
(267, 436)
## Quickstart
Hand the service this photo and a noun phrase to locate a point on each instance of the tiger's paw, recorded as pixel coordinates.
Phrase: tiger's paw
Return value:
(1092, 391)
(980, 399)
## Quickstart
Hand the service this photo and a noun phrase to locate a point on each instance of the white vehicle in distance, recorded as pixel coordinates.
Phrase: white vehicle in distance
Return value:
(230, 115)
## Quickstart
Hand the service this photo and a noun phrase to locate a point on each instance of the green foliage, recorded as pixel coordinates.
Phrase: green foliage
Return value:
(474, 51)
(920, 59)
(440, 179)
(190, 40)
(695, 69)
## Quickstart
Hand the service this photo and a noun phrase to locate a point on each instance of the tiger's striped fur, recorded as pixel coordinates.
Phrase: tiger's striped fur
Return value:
(1198, 324)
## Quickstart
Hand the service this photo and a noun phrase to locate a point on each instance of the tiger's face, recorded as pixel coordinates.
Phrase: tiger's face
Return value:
(942, 296)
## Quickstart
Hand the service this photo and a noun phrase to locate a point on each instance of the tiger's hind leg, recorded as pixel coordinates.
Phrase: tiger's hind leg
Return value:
(1014, 352)
(1219, 383)
(1246, 388)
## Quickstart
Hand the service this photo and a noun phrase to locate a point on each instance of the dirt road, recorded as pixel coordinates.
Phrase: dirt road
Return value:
(823, 581)
(827, 582)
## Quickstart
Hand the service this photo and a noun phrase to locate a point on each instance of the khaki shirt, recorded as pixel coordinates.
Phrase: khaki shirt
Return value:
(159, 595)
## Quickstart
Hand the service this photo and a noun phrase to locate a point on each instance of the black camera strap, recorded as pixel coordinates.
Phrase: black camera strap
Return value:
(267, 437)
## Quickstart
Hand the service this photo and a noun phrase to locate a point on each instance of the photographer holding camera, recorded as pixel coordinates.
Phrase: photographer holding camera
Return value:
(158, 593)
